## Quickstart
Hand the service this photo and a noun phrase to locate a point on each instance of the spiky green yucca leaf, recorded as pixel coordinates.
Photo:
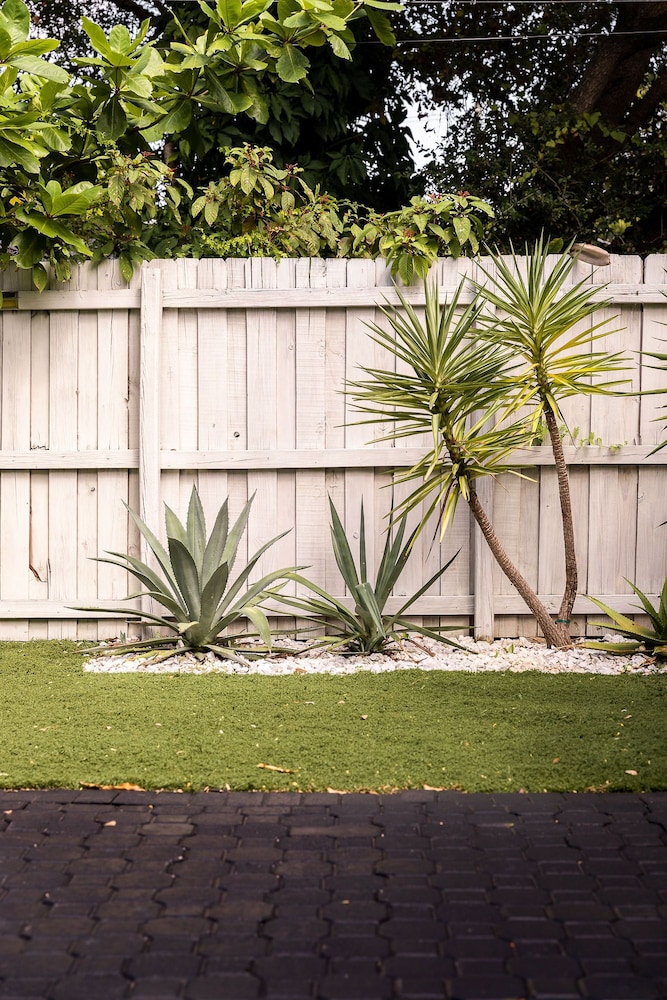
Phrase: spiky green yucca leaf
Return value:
(659, 356)
(366, 628)
(459, 388)
(539, 310)
(652, 640)
(195, 587)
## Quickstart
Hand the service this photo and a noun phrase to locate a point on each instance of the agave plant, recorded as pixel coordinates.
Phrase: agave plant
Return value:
(651, 640)
(366, 628)
(195, 587)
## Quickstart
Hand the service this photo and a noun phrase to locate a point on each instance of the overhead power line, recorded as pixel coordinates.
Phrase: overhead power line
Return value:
(520, 3)
(549, 37)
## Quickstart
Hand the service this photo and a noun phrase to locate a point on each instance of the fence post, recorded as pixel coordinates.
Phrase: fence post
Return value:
(484, 624)
(149, 404)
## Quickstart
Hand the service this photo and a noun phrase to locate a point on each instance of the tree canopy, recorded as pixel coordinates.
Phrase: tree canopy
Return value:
(93, 164)
(556, 113)
(346, 128)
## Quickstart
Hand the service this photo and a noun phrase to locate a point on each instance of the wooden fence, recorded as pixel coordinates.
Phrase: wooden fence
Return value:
(230, 374)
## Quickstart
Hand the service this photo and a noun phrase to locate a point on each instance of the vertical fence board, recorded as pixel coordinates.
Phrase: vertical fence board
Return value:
(94, 375)
(15, 434)
(262, 388)
(213, 380)
(360, 351)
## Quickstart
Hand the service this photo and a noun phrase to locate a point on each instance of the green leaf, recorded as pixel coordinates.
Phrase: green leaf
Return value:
(259, 620)
(230, 102)
(40, 277)
(380, 25)
(42, 68)
(31, 248)
(56, 139)
(5, 45)
(196, 530)
(215, 553)
(120, 40)
(126, 266)
(292, 64)
(76, 200)
(342, 551)
(174, 122)
(156, 546)
(230, 12)
(612, 647)
(186, 576)
(174, 527)
(462, 228)
(54, 230)
(146, 576)
(211, 597)
(383, 5)
(16, 18)
(112, 122)
(339, 48)
(97, 37)
(16, 154)
(234, 536)
(253, 8)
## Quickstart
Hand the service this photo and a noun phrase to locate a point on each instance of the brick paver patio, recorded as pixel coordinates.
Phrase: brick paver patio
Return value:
(422, 895)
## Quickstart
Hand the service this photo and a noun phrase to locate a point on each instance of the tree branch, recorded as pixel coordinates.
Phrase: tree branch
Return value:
(620, 64)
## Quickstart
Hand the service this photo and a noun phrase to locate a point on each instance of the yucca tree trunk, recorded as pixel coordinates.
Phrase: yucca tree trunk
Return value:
(571, 574)
(556, 634)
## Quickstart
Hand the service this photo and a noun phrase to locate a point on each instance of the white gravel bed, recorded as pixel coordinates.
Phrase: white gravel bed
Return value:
(295, 657)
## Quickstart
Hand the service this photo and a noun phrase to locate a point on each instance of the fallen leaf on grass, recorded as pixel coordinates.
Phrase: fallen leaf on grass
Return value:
(272, 767)
(126, 786)
(631, 772)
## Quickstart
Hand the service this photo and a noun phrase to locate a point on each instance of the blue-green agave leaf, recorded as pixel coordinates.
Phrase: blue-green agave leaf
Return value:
(187, 577)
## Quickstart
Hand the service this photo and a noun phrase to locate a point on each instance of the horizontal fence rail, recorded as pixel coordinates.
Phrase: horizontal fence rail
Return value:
(231, 375)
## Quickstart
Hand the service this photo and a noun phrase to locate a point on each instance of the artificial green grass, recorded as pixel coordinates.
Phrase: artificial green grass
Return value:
(61, 727)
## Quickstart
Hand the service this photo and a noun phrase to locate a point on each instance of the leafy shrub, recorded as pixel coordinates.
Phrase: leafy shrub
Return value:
(80, 179)
(412, 238)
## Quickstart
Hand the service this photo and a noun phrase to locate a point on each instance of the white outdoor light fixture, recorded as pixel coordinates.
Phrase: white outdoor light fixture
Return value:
(590, 254)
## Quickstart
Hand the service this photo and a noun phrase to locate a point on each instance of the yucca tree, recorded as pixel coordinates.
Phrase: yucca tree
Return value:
(469, 376)
(461, 389)
(538, 311)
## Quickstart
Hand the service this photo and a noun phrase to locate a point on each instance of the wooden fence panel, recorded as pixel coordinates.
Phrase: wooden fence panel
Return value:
(230, 375)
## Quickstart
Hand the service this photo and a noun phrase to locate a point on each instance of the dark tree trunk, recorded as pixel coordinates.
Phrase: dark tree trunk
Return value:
(571, 575)
(619, 66)
(556, 634)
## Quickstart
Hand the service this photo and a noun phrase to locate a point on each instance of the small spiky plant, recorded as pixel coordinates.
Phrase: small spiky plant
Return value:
(195, 587)
(641, 639)
(366, 628)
